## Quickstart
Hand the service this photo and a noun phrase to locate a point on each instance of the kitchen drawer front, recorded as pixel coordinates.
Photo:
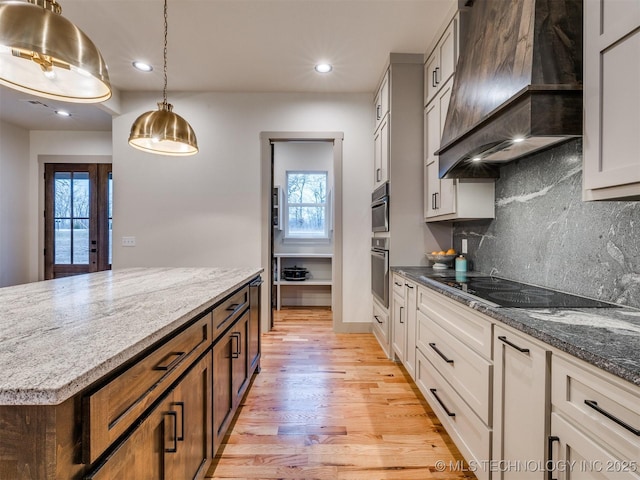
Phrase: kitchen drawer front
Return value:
(398, 285)
(229, 310)
(381, 324)
(471, 327)
(111, 410)
(579, 456)
(598, 403)
(467, 372)
(471, 436)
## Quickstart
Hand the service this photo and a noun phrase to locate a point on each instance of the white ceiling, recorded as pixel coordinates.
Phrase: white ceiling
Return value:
(237, 46)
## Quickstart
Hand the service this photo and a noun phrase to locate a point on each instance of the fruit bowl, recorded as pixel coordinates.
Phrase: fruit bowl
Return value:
(440, 261)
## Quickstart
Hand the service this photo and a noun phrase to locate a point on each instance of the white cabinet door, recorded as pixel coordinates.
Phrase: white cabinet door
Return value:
(399, 317)
(611, 99)
(410, 352)
(431, 67)
(520, 403)
(381, 154)
(441, 64)
(382, 100)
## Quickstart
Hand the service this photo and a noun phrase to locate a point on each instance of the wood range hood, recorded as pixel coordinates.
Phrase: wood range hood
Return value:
(518, 77)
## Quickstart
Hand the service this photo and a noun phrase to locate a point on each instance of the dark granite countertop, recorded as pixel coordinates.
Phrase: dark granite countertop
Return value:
(608, 338)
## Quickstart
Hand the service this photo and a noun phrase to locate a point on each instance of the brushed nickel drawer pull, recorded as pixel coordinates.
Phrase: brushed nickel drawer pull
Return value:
(446, 410)
(593, 404)
(439, 352)
(179, 356)
(502, 338)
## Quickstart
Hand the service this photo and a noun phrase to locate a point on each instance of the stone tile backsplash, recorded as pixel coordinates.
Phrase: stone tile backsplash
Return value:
(544, 234)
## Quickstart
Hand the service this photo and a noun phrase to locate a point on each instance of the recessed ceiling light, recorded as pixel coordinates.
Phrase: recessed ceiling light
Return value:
(323, 68)
(63, 113)
(143, 67)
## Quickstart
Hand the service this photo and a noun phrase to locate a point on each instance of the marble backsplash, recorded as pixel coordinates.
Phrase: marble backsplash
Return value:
(544, 234)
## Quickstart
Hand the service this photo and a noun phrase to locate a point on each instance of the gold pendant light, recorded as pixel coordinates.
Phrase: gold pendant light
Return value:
(162, 131)
(44, 54)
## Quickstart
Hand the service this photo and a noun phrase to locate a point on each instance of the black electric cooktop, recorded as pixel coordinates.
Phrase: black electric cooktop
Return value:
(507, 293)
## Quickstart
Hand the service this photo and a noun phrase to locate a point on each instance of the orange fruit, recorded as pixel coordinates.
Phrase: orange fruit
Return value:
(434, 253)
(441, 252)
(451, 251)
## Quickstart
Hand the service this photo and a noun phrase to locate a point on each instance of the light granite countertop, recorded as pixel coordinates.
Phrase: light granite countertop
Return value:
(59, 336)
(608, 338)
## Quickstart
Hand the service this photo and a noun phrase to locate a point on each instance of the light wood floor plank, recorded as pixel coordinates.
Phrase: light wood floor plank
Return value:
(332, 406)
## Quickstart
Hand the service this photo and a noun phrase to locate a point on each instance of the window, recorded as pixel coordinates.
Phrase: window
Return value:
(307, 209)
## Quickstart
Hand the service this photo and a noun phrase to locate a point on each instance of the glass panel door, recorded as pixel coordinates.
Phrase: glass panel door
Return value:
(78, 219)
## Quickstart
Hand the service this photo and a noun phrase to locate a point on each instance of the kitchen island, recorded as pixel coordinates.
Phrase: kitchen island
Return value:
(87, 360)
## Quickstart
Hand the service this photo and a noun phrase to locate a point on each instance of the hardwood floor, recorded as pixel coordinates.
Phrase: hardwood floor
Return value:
(332, 406)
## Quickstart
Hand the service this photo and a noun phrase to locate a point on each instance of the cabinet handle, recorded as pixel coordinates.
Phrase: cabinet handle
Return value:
(378, 111)
(433, 78)
(433, 201)
(408, 286)
(439, 352)
(446, 410)
(232, 307)
(550, 440)
(179, 356)
(180, 438)
(236, 353)
(378, 172)
(377, 319)
(398, 284)
(593, 404)
(502, 338)
(175, 432)
(436, 71)
(401, 308)
(435, 195)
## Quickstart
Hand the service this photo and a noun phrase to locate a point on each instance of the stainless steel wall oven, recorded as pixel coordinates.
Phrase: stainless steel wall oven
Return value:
(380, 270)
(380, 209)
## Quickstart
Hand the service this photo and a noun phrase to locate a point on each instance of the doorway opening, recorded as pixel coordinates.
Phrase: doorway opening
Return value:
(302, 222)
(78, 218)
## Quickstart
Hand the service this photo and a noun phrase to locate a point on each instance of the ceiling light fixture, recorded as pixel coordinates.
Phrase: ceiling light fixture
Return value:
(323, 68)
(142, 66)
(162, 131)
(44, 54)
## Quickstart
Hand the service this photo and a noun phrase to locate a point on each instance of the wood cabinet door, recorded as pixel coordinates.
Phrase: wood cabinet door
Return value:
(142, 456)
(222, 390)
(254, 325)
(520, 403)
(240, 357)
(191, 401)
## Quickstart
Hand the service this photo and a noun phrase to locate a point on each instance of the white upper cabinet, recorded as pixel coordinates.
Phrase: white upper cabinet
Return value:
(382, 100)
(611, 100)
(441, 63)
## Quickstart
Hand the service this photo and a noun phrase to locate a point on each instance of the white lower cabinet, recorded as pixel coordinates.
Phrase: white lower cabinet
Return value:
(403, 314)
(595, 423)
(520, 404)
(381, 327)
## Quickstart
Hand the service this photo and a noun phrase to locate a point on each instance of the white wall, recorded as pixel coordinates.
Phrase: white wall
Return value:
(206, 209)
(14, 205)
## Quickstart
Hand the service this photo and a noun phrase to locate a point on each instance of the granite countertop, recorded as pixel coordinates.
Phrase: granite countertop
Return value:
(59, 336)
(608, 338)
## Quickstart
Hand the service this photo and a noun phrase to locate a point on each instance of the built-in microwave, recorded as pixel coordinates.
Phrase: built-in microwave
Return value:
(380, 208)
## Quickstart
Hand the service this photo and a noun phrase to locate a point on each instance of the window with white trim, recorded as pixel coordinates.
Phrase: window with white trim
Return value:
(307, 214)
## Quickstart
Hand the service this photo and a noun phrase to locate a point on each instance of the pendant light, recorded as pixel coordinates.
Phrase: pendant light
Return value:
(162, 131)
(44, 54)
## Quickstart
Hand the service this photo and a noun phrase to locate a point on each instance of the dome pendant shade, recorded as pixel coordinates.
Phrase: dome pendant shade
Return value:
(44, 54)
(163, 132)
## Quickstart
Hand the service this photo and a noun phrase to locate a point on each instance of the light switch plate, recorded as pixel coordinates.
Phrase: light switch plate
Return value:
(464, 245)
(128, 241)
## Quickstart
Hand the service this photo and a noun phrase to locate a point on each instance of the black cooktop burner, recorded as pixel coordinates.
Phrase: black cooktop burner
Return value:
(507, 293)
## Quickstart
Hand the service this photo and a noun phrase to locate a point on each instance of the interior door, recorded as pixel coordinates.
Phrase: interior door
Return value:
(78, 218)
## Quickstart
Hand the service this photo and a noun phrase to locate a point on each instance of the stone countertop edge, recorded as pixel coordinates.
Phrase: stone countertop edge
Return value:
(525, 320)
(41, 321)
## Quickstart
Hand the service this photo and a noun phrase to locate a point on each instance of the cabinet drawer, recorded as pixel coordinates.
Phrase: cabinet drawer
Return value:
(111, 410)
(470, 435)
(470, 327)
(229, 310)
(467, 372)
(398, 285)
(381, 324)
(599, 403)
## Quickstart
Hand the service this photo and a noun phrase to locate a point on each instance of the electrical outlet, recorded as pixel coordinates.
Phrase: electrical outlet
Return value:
(464, 245)
(128, 241)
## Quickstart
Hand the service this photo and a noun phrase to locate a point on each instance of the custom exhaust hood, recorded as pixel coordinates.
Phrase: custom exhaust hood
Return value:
(517, 87)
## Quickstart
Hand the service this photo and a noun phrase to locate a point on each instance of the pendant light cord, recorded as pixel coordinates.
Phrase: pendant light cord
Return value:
(164, 91)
